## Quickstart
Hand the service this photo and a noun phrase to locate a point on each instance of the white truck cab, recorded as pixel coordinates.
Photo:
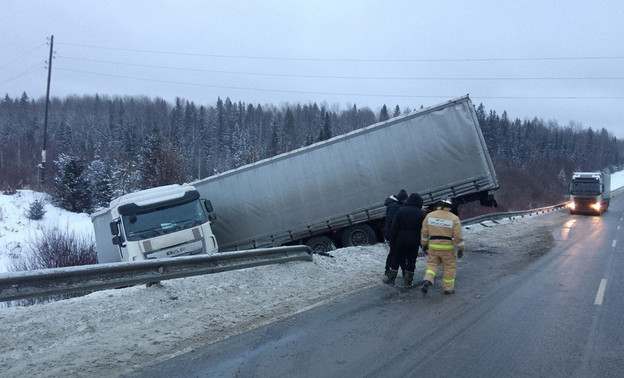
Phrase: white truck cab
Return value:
(166, 221)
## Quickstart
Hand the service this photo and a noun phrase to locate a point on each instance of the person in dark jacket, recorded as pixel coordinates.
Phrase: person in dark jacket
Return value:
(393, 204)
(405, 239)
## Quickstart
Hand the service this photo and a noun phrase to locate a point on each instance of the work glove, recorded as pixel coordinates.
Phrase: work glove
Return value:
(460, 253)
(425, 249)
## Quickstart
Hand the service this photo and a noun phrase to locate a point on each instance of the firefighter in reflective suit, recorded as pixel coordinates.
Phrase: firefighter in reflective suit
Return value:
(441, 232)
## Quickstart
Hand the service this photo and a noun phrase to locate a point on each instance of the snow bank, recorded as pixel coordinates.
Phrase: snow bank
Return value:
(617, 180)
(17, 231)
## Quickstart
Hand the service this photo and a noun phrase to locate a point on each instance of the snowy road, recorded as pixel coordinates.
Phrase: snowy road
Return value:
(543, 320)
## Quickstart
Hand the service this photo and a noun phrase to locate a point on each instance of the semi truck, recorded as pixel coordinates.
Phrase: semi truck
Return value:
(590, 192)
(331, 194)
(326, 195)
(167, 221)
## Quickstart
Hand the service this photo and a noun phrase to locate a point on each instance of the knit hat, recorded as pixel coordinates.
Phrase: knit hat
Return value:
(402, 196)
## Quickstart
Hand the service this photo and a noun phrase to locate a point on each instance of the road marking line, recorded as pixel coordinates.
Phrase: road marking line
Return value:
(600, 294)
(613, 245)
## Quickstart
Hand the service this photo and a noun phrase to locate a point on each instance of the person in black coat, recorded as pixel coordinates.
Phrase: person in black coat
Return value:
(405, 238)
(393, 204)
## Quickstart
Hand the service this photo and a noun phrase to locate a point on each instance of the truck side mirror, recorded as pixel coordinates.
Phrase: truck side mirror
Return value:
(117, 240)
(114, 228)
(211, 215)
(208, 206)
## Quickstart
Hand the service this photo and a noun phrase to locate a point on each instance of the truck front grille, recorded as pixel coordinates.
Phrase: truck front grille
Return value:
(191, 248)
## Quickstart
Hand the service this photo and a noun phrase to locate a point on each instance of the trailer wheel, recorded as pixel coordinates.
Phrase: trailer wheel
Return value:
(360, 234)
(320, 244)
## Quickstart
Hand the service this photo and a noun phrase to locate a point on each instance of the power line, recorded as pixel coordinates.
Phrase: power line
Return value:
(22, 56)
(338, 93)
(344, 59)
(336, 76)
(24, 73)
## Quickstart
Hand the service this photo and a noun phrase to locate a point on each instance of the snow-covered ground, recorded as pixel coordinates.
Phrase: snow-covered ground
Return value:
(111, 332)
(17, 232)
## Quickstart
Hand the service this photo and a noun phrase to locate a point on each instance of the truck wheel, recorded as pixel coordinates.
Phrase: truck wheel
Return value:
(321, 244)
(361, 234)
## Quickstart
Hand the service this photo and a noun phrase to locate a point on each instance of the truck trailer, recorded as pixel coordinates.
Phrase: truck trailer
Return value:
(590, 192)
(331, 193)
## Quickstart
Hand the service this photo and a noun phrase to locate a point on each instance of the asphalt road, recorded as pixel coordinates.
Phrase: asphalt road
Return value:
(560, 316)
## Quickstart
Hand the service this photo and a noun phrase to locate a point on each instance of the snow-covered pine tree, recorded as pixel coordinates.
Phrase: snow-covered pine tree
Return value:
(100, 179)
(274, 143)
(326, 131)
(289, 130)
(397, 111)
(72, 191)
(160, 163)
(383, 114)
(36, 210)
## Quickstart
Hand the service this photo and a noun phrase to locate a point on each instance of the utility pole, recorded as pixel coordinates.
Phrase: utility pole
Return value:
(45, 118)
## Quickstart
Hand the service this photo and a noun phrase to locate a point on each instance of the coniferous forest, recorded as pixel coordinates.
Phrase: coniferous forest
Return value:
(99, 147)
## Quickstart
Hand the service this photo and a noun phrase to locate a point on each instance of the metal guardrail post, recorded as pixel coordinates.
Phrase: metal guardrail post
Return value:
(76, 279)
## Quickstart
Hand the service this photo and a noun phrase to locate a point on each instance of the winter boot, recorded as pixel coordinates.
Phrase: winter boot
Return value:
(408, 278)
(390, 277)
(425, 287)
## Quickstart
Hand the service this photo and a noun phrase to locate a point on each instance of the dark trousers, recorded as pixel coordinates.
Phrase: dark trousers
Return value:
(404, 256)
(391, 257)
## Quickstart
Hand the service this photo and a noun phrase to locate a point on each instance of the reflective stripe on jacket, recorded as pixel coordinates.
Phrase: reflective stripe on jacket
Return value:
(441, 230)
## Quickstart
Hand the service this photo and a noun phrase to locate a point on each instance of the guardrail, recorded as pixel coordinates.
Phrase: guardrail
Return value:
(511, 214)
(85, 278)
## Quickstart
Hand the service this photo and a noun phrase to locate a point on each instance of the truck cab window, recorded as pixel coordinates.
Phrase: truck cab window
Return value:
(163, 220)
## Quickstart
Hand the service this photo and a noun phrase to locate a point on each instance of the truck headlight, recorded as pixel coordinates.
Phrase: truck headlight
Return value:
(596, 206)
(570, 205)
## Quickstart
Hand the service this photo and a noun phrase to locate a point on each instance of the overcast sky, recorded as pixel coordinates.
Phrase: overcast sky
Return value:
(555, 60)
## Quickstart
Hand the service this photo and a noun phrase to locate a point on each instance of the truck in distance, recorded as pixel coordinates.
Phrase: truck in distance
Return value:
(590, 192)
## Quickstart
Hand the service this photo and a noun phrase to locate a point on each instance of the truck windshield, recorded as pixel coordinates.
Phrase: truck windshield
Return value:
(163, 220)
(585, 188)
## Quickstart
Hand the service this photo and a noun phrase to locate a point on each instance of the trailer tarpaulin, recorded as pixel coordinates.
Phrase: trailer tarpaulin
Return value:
(434, 151)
